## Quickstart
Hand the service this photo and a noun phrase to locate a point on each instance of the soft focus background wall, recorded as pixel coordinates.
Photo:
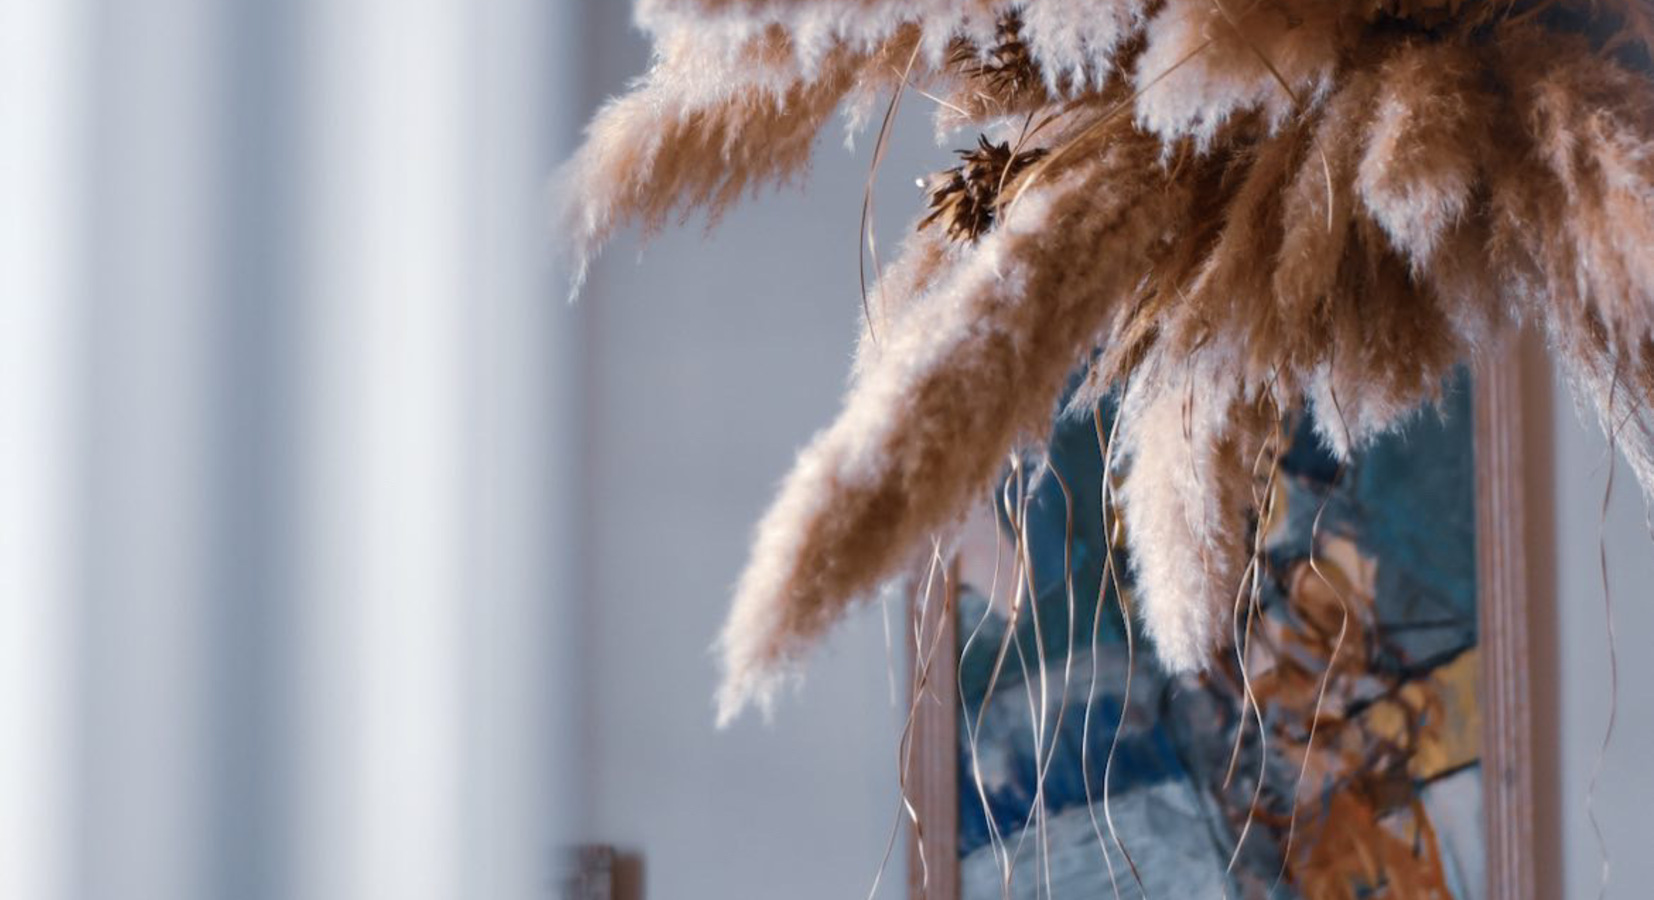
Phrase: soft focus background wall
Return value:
(287, 478)
(710, 359)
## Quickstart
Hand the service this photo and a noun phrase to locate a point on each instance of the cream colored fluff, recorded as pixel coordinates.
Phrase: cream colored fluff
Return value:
(1184, 499)
(975, 366)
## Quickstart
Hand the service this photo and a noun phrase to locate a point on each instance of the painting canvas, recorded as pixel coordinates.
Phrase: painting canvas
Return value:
(1343, 759)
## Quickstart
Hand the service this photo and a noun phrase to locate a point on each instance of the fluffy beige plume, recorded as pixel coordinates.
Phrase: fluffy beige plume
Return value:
(927, 258)
(1076, 41)
(1391, 327)
(1391, 346)
(1317, 214)
(1209, 60)
(1222, 303)
(1136, 329)
(1457, 263)
(701, 130)
(1425, 146)
(1184, 500)
(816, 27)
(1573, 211)
(1594, 125)
(974, 366)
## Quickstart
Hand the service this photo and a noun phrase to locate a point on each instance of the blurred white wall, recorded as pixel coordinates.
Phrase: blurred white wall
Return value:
(711, 359)
(1572, 671)
(285, 471)
(43, 69)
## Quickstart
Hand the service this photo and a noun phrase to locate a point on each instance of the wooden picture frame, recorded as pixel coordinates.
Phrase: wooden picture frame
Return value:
(1508, 801)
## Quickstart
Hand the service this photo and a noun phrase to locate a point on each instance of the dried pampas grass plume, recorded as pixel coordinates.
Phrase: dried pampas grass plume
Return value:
(1184, 499)
(1224, 205)
(707, 125)
(976, 366)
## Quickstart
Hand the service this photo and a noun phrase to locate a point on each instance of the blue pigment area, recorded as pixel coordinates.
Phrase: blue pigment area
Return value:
(1408, 503)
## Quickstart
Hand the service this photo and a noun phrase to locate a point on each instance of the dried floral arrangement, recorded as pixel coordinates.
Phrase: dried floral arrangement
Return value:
(1227, 210)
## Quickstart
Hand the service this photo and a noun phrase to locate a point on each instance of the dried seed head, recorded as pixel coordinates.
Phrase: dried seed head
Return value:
(967, 197)
(1007, 69)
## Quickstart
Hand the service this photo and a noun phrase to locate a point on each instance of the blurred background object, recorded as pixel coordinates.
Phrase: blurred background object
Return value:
(339, 558)
(588, 874)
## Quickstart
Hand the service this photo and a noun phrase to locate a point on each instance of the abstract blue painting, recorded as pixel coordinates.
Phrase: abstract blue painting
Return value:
(1352, 771)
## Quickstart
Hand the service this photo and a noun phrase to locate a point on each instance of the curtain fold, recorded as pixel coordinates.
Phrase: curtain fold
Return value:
(286, 446)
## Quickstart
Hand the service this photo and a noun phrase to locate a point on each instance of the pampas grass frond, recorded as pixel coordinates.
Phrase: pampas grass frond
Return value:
(1317, 215)
(1080, 39)
(974, 367)
(1424, 147)
(1240, 57)
(699, 133)
(1184, 500)
(1221, 204)
(1592, 122)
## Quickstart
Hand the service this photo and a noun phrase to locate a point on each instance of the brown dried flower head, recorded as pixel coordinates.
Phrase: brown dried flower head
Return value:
(967, 197)
(1007, 69)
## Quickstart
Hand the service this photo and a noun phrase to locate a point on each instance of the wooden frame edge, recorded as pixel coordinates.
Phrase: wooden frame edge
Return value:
(1502, 589)
(933, 773)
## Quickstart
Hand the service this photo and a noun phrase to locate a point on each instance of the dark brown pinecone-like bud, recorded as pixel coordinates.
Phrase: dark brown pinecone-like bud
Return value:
(967, 197)
(1007, 69)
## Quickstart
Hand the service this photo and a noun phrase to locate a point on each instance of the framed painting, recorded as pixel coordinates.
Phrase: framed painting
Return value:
(1369, 739)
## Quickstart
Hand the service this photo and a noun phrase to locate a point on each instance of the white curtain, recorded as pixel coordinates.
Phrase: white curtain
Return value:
(284, 477)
